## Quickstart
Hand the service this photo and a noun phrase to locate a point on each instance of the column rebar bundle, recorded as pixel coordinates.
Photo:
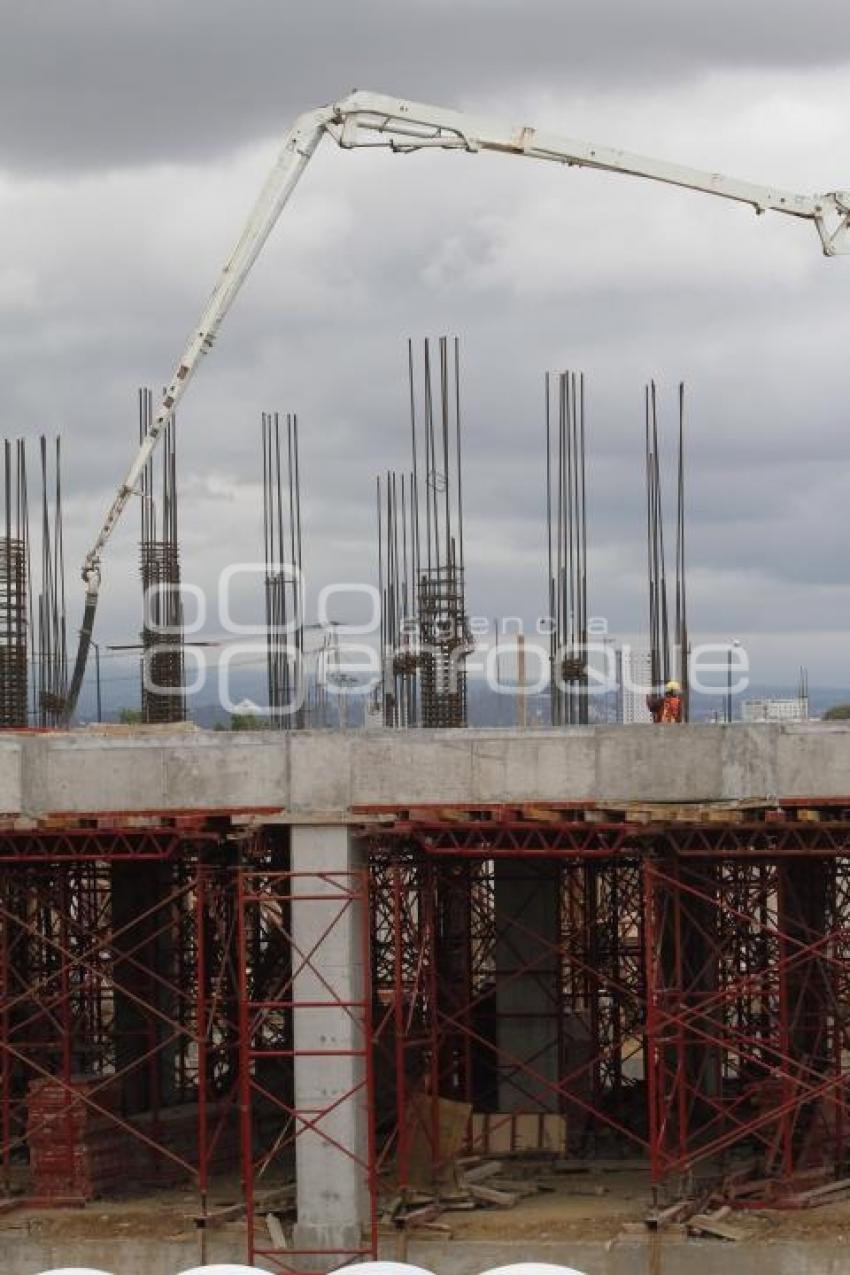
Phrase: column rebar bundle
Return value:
(15, 616)
(566, 517)
(163, 695)
(425, 634)
(52, 662)
(33, 646)
(665, 661)
(397, 575)
(283, 578)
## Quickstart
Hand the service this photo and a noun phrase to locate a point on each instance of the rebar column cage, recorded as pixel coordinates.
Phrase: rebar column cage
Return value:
(444, 645)
(163, 696)
(398, 567)
(14, 614)
(284, 589)
(51, 662)
(666, 659)
(163, 684)
(425, 634)
(566, 517)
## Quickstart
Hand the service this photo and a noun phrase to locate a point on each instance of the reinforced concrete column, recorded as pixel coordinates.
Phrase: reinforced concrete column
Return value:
(808, 1001)
(143, 982)
(329, 987)
(527, 1000)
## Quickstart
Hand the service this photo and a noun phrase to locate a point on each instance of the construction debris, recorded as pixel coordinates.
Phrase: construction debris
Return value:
(825, 1194)
(491, 1195)
(277, 1198)
(714, 1224)
(478, 1183)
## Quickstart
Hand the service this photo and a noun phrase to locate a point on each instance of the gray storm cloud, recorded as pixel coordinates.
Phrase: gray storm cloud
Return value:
(100, 83)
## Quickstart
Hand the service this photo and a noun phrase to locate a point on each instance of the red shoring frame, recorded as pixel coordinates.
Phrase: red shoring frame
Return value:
(754, 960)
(418, 1018)
(268, 1032)
(766, 955)
(770, 1087)
(514, 835)
(97, 845)
(65, 963)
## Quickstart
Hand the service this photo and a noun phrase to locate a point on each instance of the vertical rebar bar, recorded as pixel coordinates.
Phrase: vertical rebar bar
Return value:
(283, 547)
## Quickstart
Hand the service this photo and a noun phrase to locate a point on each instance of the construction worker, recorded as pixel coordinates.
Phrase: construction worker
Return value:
(666, 708)
(671, 710)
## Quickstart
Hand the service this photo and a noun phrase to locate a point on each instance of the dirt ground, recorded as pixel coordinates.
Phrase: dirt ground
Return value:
(598, 1205)
(166, 1214)
(587, 1205)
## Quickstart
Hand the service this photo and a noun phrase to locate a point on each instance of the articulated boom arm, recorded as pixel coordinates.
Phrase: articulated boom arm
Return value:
(409, 126)
(370, 119)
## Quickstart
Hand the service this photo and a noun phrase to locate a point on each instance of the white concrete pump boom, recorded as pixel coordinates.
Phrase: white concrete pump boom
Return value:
(370, 119)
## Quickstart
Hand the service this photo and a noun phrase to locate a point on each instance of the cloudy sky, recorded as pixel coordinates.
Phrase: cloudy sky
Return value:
(135, 135)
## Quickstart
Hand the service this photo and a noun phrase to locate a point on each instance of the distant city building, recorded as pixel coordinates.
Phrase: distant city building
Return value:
(795, 709)
(634, 678)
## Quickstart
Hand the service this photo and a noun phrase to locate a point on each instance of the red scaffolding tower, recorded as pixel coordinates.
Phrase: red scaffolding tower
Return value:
(677, 991)
(697, 982)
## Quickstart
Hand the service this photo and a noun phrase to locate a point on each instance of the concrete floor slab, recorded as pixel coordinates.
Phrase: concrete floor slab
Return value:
(329, 772)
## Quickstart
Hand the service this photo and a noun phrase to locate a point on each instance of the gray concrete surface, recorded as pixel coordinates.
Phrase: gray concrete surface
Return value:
(324, 772)
(145, 1257)
(620, 1257)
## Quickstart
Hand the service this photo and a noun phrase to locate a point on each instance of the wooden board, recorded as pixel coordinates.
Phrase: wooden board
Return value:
(452, 1125)
(500, 1133)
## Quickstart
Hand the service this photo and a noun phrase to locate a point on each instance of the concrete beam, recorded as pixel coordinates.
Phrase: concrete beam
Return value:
(328, 772)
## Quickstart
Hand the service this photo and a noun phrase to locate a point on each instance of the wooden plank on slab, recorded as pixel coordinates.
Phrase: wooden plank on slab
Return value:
(489, 1195)
(480, 1172)
(275, 1231)
(715, 1224)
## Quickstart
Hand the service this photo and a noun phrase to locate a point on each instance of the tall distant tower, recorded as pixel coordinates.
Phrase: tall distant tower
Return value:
(634, 678)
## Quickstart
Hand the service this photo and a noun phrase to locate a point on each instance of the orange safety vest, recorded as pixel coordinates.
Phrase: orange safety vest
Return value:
(672, 710)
